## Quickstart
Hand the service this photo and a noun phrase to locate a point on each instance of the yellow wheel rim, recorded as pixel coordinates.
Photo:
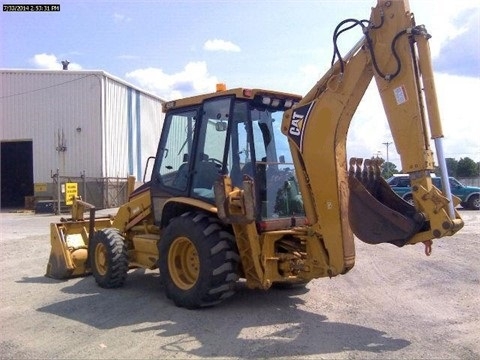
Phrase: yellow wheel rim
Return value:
(101, 262)
(183, 263)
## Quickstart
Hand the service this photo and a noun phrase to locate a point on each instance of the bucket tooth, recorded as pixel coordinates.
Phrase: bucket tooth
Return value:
(376, 167)
(351, 167)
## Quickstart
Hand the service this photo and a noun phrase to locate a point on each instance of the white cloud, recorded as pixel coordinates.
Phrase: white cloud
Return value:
(439, 18)
(192, 80)
(220, 45)
(51, 62)
(120, 18)
(460, 54)
(310, 71)
(459, 111)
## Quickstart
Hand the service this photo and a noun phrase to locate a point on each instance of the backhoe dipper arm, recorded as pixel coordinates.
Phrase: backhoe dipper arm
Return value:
(338, 199)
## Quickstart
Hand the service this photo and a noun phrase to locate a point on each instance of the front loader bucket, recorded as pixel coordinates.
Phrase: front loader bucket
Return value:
(69, 247)
(377, 215)
(68, 253)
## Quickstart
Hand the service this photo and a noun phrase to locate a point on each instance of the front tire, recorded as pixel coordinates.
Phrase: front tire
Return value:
(108, 258)
(198, 261)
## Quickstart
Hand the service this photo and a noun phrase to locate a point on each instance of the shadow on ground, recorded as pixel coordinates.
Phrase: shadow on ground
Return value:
(252, 324)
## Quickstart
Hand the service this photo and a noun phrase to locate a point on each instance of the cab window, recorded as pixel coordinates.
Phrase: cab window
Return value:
(176, 149)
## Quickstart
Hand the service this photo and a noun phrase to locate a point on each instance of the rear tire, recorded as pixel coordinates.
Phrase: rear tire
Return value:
(474, 202)
(108, 258)
(198, 261)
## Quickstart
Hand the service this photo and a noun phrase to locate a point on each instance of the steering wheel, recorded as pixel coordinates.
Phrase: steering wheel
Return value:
(217, 162)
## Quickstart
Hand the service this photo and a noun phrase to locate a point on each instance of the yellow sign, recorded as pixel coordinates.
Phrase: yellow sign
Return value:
(70, 193)
(40, 187)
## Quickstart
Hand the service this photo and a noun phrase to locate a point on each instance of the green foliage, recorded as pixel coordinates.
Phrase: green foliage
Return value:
(463, 168)
(388, 169)
(466, 167)
(452, 165)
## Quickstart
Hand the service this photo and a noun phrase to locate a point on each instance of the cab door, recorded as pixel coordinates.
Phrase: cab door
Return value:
(174, 159)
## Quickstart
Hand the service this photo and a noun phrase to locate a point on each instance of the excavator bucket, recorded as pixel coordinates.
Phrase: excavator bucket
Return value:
(377, 215)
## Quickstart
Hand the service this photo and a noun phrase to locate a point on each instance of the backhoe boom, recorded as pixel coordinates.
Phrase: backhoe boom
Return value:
(338, 198)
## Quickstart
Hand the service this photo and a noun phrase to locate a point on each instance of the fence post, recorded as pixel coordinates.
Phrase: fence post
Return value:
(84, 180)
(59, 193)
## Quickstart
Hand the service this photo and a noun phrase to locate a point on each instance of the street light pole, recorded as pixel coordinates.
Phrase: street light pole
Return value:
(387, 144)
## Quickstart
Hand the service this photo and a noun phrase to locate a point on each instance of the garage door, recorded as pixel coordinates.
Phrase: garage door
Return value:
(17, 173)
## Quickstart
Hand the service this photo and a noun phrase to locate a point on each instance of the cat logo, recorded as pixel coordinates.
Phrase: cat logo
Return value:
(298, 122)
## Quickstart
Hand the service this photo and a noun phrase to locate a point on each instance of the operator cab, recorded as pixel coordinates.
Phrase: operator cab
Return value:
(235, 133)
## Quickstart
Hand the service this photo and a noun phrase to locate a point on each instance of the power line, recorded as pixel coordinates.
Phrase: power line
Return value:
(46, 87)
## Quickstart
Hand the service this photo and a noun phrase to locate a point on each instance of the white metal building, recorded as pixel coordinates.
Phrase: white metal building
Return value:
(72, 123)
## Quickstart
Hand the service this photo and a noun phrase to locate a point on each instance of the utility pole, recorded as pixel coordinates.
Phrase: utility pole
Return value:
(387, 144)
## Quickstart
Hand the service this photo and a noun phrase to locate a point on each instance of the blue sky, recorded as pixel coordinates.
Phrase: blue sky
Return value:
(184, 47)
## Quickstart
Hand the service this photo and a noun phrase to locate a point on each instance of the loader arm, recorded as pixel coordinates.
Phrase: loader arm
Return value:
(340, 197)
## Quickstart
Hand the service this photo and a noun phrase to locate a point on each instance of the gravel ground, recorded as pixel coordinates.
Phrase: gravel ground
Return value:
(395, 304)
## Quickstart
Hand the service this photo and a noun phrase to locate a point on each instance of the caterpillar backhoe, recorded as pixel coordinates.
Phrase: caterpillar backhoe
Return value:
(254, 184)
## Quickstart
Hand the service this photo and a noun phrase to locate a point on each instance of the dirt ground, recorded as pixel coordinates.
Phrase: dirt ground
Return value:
(395, 304)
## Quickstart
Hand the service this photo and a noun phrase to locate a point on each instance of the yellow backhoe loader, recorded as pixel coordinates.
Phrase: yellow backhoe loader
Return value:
(255, 184)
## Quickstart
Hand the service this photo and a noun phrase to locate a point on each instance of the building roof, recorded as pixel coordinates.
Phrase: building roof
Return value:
(81, 72)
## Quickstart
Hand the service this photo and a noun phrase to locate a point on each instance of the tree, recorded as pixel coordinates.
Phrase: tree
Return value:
(452, 165)
(466, 167)
(388, 169)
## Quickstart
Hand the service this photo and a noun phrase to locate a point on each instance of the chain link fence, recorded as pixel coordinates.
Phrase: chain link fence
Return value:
(103, 193)
(471, 181)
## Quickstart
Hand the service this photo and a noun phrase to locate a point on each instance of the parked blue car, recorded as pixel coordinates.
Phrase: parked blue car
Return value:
(469, 195)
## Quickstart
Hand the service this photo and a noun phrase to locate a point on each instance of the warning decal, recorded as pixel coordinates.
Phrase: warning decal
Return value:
(400, 94)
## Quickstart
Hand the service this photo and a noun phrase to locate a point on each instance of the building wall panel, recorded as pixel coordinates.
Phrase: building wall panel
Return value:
(60, 113)
(151, 128)
(132, 128)
(115, 130)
